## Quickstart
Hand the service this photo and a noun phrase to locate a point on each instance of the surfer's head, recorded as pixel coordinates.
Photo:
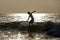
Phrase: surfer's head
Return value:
(28, 12)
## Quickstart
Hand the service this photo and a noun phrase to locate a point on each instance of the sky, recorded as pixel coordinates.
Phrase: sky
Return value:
(22, 6)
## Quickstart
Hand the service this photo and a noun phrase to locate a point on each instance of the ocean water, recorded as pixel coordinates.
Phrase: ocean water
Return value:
(39, 17)
(19, 35)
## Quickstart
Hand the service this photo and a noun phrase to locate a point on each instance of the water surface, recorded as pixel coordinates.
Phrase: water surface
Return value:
(19, 35)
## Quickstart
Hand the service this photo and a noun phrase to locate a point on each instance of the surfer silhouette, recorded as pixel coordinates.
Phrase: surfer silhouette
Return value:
(30, 22)
(31, 16)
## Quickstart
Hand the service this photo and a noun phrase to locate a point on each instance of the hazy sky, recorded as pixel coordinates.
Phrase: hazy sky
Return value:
(18, 6)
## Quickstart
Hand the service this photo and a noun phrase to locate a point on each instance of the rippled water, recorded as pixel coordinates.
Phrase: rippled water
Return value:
(23, 17)
(19, 35)
(14, 35)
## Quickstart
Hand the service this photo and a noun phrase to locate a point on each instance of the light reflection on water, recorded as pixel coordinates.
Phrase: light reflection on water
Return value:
(17, 35)
(23, 17)
(14, 35)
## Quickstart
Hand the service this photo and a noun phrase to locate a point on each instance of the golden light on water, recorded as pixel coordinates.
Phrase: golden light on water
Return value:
(17, 34)
(38, 17)
(25, 36)
(24, 16)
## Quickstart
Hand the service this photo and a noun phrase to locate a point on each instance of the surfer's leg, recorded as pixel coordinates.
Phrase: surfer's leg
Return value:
(30, 30)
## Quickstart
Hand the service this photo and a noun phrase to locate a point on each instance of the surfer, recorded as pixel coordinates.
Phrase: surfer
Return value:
(30, 23)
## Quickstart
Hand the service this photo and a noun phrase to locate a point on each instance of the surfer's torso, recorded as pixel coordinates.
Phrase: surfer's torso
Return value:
(30, 15)
(32, 19)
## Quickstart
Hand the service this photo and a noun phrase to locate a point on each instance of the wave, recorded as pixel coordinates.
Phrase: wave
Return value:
(49, 27)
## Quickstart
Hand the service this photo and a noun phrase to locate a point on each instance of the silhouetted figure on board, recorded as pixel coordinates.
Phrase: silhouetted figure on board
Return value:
(30, 22)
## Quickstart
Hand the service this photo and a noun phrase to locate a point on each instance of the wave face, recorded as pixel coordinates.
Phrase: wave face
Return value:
(39, 17)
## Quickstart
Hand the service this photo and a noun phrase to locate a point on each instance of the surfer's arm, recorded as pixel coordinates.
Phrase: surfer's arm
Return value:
(33, 11)
(28, 18)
